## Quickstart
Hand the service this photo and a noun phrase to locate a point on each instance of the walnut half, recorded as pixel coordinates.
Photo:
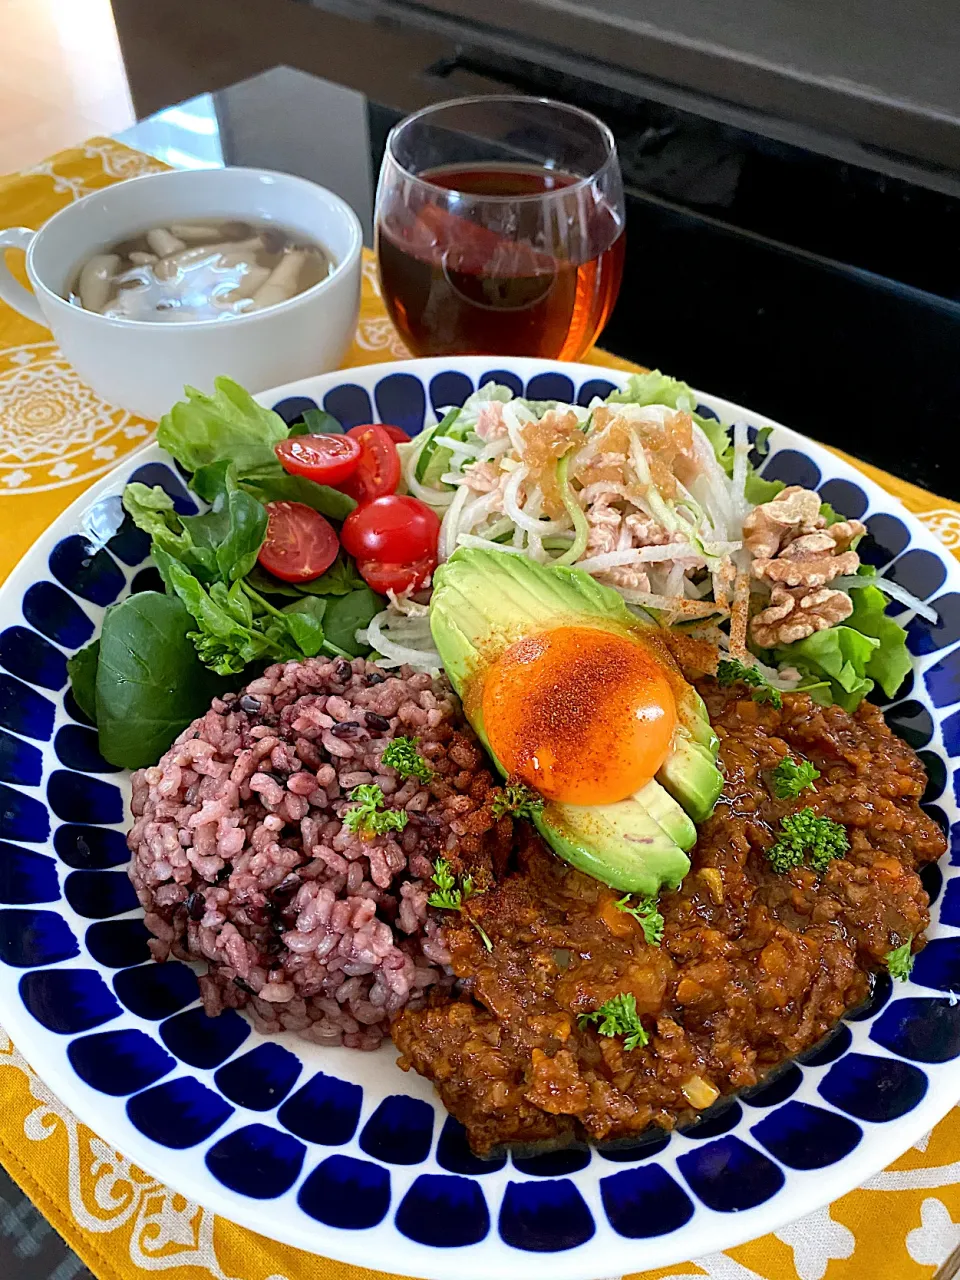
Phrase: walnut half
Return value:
(798, 613)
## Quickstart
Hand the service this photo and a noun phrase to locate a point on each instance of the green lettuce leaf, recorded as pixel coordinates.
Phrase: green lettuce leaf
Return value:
(890, 662)
(655, 387)
(228, 424)
(868, 648)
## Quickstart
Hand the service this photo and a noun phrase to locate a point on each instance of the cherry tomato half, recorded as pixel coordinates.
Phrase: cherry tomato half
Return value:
(383, 576)
(327, 459)
(378, 470)
(395, 528)
(300, 544)
(396, 434)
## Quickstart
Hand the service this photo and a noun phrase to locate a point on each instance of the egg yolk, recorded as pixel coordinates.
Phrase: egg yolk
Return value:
(584, 716)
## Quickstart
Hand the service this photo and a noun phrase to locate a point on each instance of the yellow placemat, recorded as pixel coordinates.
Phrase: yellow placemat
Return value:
(55, 438)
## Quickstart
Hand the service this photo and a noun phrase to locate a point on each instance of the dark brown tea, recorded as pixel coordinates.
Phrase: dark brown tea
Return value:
(458, 285)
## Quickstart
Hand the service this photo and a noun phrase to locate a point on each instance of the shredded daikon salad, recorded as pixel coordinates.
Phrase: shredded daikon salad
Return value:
(645, 491)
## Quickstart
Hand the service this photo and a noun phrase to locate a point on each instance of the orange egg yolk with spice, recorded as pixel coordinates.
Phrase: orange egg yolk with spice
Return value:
(585, 716)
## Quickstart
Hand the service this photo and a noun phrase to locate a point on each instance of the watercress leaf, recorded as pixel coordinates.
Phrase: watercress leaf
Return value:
(304, 620)
(150, 683)
(267, 584)
(227, 424)
(346, 615)
(82, 670)
(272, 484)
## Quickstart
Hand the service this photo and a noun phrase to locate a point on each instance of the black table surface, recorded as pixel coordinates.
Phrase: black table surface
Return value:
(780, 280)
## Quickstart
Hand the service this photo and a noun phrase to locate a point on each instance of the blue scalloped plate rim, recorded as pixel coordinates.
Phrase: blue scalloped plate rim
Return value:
(358, 1158)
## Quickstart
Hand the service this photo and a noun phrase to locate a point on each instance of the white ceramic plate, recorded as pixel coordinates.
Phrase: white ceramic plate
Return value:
(339, 1152)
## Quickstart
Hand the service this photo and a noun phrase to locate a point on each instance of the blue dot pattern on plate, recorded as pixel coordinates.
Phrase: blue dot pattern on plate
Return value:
(204, 1042)
(118, 944)
(445, 1211)
(74, 797)
(325, 1110)
(130, 1042)
(154, 991)
(68, 1001)
(261, 1079)
(90, 848)
(920, 1029)
(88, 573)
(802, 1136)
(20, 762)
(119, 1062)
(729, 1176)
(26, 654)
(99, 894)
(257, 1161)
(25, 711)
(871, 1088)
(26, 876)
(179, 1113)
(77, 748)
(401, 401)
(846, 498)
(645, 1202)
(55, 613)
(545, 1217)
(30, 938)
(399, 1131)
(347, 1193)
(22, 817)
(454, 1154)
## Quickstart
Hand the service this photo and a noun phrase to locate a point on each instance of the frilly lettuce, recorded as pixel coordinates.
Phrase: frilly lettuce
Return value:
(843, 663)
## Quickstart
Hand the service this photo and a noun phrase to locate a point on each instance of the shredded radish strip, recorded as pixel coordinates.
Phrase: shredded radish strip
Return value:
(891, 589)
(395, 654)
(575, 512)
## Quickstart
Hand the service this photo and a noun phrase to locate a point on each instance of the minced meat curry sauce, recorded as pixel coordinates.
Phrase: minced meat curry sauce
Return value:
(753, 967)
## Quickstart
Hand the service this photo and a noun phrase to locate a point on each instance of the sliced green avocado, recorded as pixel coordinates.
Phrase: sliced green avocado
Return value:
(484, 601)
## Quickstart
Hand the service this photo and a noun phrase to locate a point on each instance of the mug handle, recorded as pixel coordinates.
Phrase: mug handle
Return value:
(11, 291)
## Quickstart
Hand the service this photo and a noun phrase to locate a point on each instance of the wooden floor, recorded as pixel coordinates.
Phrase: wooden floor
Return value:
(61, 77)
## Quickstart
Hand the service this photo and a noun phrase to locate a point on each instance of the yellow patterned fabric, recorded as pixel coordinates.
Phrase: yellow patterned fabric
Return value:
(55, 438)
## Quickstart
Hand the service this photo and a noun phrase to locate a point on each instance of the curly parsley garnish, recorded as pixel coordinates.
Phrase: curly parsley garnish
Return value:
(730, 670)
(647, 916)
(368, 817)
(519, 800)
(790, 778)
(618, 1017)
(448, 897)
(805, 834)
(402, 754)
(900, 960)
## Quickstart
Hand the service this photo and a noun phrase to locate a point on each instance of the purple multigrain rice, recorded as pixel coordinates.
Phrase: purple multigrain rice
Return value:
(241, 858)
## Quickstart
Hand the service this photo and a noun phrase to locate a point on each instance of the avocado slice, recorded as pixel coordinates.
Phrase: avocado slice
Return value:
(484, 601)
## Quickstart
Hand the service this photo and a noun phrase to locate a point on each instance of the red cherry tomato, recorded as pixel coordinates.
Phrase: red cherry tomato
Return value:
(328, 459)
(396, 528)
(383, 576)
(396, 434)
(378, 470)
(299, 545)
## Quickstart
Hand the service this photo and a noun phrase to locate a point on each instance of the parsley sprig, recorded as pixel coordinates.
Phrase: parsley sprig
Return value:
(618, 1017)
(519, 800)
(805, 834)
(402, 754)
(448, 897)
(647, 915)
(730, 670)
(900, 960)
(368, 817)
(790, 778)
